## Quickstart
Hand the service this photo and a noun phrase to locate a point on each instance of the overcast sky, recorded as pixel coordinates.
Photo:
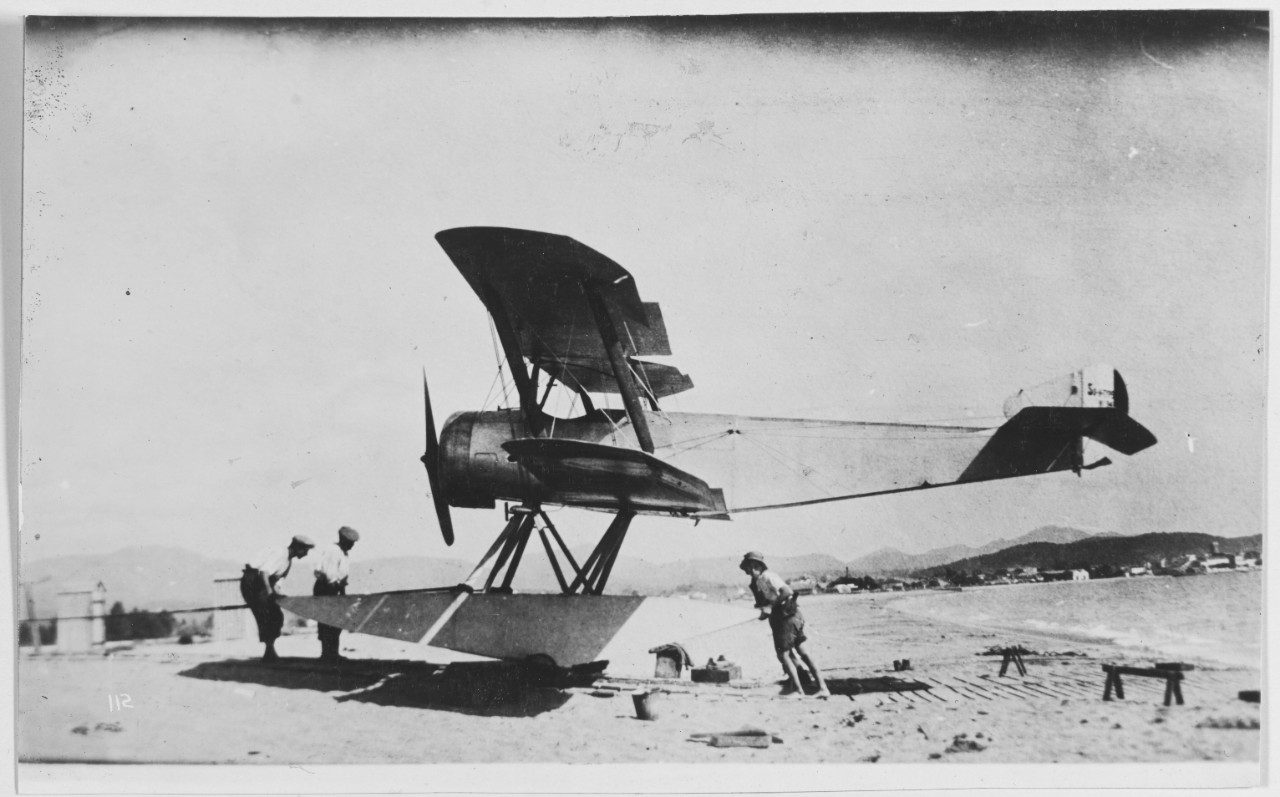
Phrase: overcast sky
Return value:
(231, 286)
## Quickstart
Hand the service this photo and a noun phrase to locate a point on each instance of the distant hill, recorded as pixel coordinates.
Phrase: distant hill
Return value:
(1102, 550)
(891, 562)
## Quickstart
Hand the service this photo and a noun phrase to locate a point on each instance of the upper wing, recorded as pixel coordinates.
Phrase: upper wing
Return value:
(534, 285)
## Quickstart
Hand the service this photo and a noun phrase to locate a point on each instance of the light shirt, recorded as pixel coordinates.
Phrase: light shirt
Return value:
(769, 586)
(332, 563)
(272, 560)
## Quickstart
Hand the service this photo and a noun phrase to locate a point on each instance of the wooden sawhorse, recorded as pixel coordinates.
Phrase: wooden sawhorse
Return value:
(1172, 675)
(1013, 655)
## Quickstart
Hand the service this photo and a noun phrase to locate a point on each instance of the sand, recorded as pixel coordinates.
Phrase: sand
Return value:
(213, 703)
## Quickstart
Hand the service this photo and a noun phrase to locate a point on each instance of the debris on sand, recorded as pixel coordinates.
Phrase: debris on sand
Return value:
(745, 737)
(853, 719)
(963, 744)
(999, 650)
(1238, 723)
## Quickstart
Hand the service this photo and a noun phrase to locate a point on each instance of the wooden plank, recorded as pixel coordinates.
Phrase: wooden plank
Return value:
(1148, 672)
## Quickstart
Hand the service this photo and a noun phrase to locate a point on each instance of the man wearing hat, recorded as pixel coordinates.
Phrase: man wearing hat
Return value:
(777, 604)
(258, 587)
(332, 570)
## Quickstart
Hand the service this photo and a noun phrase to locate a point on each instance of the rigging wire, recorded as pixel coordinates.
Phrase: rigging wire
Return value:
(642, 379)
(801, 529)
(564, 369)
(565, 363)
(804, 470)
(501, 375)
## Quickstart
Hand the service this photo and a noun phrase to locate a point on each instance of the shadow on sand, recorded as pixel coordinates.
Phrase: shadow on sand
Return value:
(497, 688)
(861, 686)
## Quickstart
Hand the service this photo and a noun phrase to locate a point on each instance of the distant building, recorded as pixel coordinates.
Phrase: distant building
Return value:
(849, 583)
(1065, 575)
(81, 617)
(803, 585)
(1217, 563)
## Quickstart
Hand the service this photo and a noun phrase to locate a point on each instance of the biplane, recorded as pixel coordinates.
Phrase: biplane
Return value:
(569, 318)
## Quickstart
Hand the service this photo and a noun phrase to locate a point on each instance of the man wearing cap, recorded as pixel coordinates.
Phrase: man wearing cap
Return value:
(777, 604)
(258, 587)
(332, 570)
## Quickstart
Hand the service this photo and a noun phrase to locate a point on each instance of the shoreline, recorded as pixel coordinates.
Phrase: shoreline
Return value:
(1219, 653)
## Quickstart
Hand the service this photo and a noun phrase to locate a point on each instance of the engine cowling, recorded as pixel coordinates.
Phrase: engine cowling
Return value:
(474, 469)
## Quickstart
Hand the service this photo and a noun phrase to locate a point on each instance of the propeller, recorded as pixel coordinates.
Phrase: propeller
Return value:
(431, 459)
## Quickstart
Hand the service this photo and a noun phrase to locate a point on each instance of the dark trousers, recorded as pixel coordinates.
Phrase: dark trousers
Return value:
(268, 615)
(328, 634)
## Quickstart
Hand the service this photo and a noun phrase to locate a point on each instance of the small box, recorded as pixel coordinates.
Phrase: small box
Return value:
(723, 673)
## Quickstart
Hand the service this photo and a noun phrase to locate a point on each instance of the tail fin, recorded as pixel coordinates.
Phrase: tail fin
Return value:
(1099, 404)
(1048, 423)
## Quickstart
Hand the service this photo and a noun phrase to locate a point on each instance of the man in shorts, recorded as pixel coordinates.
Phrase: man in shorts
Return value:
(777, 604)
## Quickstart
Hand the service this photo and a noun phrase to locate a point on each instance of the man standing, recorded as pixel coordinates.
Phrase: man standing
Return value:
(332, 570)
(777, 604)
(258, 588)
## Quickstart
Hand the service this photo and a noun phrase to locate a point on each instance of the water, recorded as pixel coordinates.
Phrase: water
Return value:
(1216, 618)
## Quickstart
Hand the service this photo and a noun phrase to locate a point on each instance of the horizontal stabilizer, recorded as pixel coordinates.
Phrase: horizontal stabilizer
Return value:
(1118, 431)
(614, 478)
(1044, 439)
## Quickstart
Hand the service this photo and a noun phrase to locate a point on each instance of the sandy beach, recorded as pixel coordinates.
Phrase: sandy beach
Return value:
(214, 704)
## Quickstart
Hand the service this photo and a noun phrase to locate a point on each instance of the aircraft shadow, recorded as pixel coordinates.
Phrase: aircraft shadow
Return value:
(499, 689)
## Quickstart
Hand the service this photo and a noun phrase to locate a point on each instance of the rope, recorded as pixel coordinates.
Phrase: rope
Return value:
(718, 630)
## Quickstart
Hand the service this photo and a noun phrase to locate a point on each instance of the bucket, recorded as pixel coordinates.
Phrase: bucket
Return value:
(647, 705)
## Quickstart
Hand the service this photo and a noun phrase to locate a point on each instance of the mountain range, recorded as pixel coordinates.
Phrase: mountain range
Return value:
(1119, 551)
(892, 562)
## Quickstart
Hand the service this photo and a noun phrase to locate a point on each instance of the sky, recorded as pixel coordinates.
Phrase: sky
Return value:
(231, 289)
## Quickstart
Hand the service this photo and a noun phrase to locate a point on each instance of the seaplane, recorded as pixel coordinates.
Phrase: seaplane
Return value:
(567, 317)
